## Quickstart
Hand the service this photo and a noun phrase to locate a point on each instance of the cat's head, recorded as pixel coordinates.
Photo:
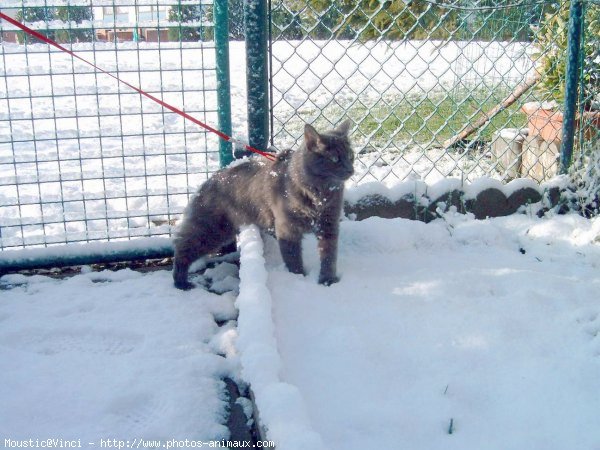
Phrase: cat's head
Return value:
(329, 155)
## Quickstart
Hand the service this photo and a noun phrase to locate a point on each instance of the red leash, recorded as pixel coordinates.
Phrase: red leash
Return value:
(48, 41)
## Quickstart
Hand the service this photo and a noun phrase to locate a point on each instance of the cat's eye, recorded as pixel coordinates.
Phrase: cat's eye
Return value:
(334, 158)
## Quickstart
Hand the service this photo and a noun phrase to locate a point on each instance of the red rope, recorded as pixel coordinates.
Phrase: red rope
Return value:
(49, 41)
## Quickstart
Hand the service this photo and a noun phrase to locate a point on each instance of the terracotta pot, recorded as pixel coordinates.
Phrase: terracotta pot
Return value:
(548, 123)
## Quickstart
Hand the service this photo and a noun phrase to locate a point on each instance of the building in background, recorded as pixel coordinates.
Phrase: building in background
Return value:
(132, 23)
(9, 35)
(151, 23)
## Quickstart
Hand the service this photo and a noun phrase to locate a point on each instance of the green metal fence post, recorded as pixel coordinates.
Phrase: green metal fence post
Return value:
(572, 83)
(255, 19)
(221, 15)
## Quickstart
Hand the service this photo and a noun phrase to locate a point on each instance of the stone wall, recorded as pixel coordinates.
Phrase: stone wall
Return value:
(488, 198)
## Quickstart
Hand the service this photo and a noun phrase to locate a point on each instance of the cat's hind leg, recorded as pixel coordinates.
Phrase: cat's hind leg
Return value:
(181, 266)
(196, 238)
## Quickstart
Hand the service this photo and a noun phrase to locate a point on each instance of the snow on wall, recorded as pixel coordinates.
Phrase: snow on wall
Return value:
(282, 409)
(484, 197)
(417, 200)
(419, 189)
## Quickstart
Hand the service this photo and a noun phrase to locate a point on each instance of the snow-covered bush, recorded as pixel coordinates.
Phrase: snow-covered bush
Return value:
(585, 178)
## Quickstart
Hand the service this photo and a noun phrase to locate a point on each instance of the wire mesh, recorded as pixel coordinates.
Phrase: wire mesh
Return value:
(83, 158)
(414, 76)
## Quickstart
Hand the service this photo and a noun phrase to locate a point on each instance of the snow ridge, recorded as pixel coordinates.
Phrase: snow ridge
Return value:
(282, 409)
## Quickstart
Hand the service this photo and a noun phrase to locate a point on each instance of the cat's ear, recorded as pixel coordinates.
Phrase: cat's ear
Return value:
(311, 137)
(344, 127)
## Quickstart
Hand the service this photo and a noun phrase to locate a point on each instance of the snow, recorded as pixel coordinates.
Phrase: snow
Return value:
(224, 276)
(418, 67)
(444, 186)
(489, 329)
(414, 188)
(479, 185)
(110, 355)
(425, 193)
(514, 134)
(519, 184)
(280, 404)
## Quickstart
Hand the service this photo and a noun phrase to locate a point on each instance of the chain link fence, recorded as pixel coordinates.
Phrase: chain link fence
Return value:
(84, 158)
(435, 88)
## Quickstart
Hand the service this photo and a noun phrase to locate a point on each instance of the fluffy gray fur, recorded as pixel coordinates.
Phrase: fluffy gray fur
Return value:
(299, 192)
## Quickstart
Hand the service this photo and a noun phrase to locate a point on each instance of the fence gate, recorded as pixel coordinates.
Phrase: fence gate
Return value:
(83, 158)
(413, 75)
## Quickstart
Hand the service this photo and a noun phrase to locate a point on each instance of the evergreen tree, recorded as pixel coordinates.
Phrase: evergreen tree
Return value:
(185, 14)
(35, 14)
(77, 14)
(328, 19)
(286, 20)
(507, 24)
(397, 19)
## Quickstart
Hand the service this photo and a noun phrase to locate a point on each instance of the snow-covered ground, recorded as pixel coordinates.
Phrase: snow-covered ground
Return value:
(457, 334)
(111, 355)
(454, 334)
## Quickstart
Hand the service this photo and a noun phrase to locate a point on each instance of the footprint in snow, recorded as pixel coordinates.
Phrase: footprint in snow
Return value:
(82, 341)
(81, 308)
(135, 412)
(589, 321)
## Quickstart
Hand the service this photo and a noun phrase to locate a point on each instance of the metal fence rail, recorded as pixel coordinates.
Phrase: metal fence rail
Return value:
(83, 158)
(413, 75)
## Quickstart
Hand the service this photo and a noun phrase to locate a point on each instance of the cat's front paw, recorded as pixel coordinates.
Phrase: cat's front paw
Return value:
(328, 280)
(184, 285)
(297, 271)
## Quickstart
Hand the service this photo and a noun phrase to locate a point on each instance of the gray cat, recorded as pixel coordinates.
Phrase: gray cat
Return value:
(298, 192)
